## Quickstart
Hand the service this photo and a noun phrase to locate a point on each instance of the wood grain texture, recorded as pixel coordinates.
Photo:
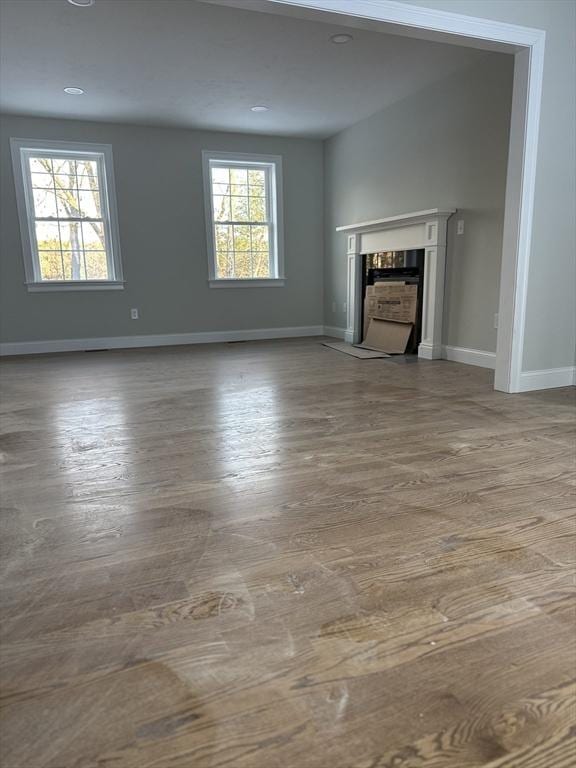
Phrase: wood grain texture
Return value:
(271, 555)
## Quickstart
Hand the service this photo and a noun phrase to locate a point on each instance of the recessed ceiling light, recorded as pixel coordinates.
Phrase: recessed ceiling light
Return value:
(341, 39)
(81, 3)
(74, 91)
(259, 108)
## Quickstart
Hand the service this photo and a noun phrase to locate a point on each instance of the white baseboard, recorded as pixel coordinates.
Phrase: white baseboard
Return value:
(429, 351)
(157, 340)
(332, 330)
(477, 357)
(529, 380)
(349, 336)
(548, 379)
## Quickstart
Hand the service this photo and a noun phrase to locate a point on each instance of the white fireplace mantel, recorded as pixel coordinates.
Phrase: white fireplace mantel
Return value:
(408, 231)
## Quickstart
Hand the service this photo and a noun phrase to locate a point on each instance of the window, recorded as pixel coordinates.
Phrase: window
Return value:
(244, 219)
(67, 215)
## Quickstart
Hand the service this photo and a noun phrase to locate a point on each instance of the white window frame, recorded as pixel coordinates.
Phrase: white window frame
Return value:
(22, 150)
(274, 196)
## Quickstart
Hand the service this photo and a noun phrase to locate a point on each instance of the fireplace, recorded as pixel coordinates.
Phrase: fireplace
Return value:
(420, 231)
(396, 267)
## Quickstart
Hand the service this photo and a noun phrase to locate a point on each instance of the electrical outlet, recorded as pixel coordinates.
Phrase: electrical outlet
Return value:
(496, 320)
(344, 307)
(460, 227)
(134, 313)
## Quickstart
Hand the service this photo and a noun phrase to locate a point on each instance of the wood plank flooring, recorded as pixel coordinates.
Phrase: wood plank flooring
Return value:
(272, 555)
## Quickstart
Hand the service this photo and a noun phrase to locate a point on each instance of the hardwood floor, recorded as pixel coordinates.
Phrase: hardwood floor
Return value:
(272, 555)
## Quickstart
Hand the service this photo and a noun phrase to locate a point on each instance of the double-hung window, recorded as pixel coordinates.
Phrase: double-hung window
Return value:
(244, 219)
(67, 211)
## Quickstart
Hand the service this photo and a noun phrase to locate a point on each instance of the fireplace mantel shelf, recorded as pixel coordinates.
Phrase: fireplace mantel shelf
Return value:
(404, 219)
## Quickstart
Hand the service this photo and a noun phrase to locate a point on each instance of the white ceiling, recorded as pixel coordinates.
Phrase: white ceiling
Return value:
(185, 63)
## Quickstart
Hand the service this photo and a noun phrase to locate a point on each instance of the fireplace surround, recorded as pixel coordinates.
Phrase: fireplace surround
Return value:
(420, 229)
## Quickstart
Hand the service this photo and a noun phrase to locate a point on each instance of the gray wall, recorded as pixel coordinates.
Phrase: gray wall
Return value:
(550, 340)
(446, 146)
(163, 239)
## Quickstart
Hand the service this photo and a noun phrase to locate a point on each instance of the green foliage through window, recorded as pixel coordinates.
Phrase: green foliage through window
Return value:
(68, 221)
(241, 209)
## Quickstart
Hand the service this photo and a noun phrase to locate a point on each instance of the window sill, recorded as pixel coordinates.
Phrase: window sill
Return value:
(275, 282)
(83, 285)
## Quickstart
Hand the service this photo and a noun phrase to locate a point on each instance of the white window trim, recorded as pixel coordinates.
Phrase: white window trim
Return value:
(25, 204)
(276, 206)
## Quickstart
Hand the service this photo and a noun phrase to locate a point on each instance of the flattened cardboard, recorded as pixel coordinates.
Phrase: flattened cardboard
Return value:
(397, 302)
(393, 301)
(387, 336)
(355, 351)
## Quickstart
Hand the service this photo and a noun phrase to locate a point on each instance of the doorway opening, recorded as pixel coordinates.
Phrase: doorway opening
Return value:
(527, 47)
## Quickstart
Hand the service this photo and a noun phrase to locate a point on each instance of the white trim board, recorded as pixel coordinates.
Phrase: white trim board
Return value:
(529, 380)
(478, 357)
(548, 379)
(156, 340)
(332, 330)
(527, 44)
(401, 220)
